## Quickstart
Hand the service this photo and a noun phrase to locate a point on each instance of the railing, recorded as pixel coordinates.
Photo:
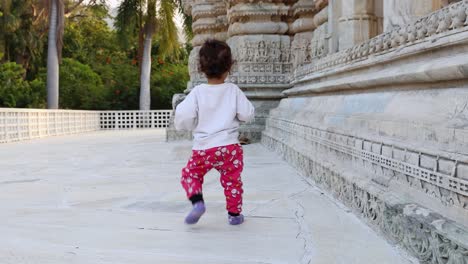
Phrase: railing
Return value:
(25, 124)
(111, 120)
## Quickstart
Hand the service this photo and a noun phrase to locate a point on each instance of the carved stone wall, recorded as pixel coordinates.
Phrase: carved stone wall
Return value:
(383, 126)
(258, 35)
(402, 12)
(358, 22)
(209, 21)
(310, 32)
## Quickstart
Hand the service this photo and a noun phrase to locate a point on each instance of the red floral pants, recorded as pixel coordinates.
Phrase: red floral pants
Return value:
(228, 160)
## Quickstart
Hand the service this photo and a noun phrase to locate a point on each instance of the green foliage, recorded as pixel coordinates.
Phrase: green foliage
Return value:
(166, 81)
(14, 90)
(167, 30)
(187, 23)
(88, 39)
(96, 73)
(123, 84)
(129, 22)
(21, 32)
(80, 87)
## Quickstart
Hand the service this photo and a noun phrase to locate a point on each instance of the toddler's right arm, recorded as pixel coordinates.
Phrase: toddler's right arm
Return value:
(186, 113)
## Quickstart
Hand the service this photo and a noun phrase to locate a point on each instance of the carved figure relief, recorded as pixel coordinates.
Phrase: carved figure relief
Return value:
(262, 52)
(301, 51)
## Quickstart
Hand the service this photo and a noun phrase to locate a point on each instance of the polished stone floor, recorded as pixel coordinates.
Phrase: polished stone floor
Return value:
(114, 197)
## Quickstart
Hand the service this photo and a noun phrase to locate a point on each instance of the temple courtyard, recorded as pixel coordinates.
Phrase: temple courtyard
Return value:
(114, 197)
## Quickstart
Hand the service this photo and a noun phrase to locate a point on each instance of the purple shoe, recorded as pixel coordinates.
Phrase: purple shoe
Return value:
(236, 220)
(197, 211)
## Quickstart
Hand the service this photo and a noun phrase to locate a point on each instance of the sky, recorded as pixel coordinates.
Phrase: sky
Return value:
(113, 3)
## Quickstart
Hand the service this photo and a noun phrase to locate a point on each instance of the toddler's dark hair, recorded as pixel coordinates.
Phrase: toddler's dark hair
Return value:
(215, 58)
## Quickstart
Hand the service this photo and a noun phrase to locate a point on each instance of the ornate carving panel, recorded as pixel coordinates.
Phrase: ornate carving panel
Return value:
(442, 178)
(261, 59)
(451, 18)
(408, 225)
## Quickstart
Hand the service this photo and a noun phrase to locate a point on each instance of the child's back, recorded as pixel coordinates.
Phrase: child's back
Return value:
(214, 112)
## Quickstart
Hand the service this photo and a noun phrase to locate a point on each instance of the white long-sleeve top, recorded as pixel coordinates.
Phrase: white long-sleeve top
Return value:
(213, 113)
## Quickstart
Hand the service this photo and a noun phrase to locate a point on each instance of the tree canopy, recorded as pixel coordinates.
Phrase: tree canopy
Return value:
(99, 70)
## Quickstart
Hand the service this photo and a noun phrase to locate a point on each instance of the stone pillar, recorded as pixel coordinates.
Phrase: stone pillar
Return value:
(209, 21)
(261, 47)
(379, 14)
(402, 12)
(334, 13)
(302, 29)
(358, 22)
(310, 31)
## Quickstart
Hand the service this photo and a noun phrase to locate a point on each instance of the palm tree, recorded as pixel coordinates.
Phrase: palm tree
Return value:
(54, 51)
(57, 10)
(146, 18)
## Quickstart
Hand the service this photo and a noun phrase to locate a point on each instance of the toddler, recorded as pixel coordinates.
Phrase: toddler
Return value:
(213, 112)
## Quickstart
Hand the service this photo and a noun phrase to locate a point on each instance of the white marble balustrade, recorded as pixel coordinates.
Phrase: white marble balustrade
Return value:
(112, 120)
(25, 124)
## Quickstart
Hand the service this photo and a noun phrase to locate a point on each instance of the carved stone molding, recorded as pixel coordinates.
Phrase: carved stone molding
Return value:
(257, 18)
(449, 186)
(261, 49)
(426, 235)
(450, 18)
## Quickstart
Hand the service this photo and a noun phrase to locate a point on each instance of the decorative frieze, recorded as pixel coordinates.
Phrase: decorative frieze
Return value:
(451, 18)
(442, 177)
(261, 60)
(261, 49)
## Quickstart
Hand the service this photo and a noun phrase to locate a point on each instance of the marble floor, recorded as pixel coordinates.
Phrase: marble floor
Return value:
(115, 197)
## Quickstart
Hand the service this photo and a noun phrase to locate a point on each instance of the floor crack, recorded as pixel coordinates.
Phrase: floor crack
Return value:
(303, 230)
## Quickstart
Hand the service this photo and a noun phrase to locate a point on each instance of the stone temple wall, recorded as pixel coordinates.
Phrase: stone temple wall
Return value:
(368, 98)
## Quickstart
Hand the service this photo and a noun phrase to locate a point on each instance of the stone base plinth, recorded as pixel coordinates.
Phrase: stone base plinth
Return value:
(423, 233)
(388, 136)
(174, 135)
(252, 131)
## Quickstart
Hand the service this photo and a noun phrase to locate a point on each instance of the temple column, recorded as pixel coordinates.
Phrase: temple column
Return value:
(302, 29)
(379, 14)
(402, 12)
(209, 22)
(334, 13)
(261, 47)
(310, 31)
(358, 22)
